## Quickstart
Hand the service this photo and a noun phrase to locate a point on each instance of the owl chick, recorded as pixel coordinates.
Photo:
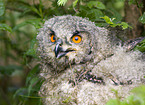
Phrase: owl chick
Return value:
(82, 63)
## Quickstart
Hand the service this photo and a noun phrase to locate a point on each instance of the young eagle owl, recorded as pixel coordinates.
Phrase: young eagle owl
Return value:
(82, 63)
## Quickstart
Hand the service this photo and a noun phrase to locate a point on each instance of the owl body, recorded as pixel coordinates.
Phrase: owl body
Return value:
(82, 63)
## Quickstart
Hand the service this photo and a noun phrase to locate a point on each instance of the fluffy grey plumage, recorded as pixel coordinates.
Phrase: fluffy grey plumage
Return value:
(69, 67)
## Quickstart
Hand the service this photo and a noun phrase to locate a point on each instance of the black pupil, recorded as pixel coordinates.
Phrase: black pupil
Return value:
(53, 37)
(76, 38)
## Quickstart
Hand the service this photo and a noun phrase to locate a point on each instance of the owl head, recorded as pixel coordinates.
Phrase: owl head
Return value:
(72, 40)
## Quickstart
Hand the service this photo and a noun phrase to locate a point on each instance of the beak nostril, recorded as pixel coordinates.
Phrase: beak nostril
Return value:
(59, 42)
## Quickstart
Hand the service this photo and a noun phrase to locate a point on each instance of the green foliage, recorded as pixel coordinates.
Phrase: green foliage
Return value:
(135, 2)
(75, 3)
(32, 49)
(142, 18)
(112, 24)
(5, 27)
(2, 7)
(62, 2)
(67, 100)
(96, 4)
(98, 12)
(30, 92)
(132, 2)
(138, 98)
(141, 46)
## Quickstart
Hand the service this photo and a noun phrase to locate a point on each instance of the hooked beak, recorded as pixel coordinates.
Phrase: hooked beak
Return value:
(59, 51)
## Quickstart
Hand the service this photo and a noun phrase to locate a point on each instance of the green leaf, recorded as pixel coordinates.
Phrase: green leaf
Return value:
(96, 4)
(130, 100)
(94, 14)
(32, 50)
(31, 84)
(32, 74)
(61, 2)
(138, 98)
(32, 8)
(34, 85)
(19, 92)
(100, 5)
(112, 24)
(131, 2)
(141, 46)
(101, 24)
(107, 19)
(2, 7)
(91, 4)
(112, 102)
(33, 42)
(139, 94)
(75, 3)
(124, 25)
(35, 10)
(142, 18)
(136, 2)
(5, 27)
(37, 23)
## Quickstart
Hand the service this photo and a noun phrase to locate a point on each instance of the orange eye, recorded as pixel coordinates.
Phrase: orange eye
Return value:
(76, 39)
(53, 39)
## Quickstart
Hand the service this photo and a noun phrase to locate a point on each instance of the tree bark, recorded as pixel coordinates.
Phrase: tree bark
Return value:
(132, 14)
